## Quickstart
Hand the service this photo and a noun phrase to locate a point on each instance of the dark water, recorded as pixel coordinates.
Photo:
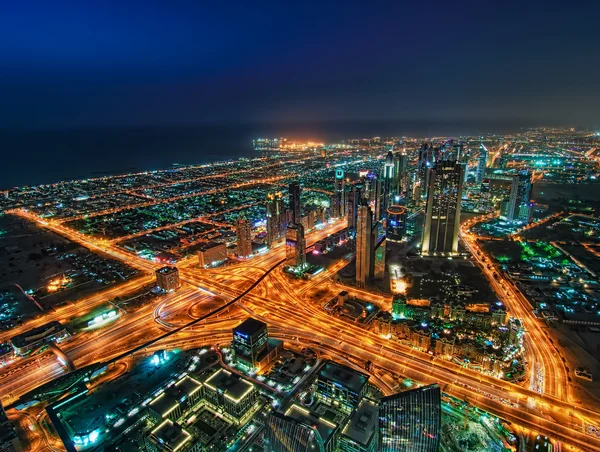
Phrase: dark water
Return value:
(32, 157)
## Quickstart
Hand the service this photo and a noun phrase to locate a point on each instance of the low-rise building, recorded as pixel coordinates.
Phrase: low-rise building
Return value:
(167, 278)
(231, 394)
(211, 253)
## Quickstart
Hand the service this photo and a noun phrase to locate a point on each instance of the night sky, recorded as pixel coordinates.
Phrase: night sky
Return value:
(66, 64)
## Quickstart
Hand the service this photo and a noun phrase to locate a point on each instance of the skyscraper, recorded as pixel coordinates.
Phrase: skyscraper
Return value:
(294, 193)
(364, 245)
(481, 163)
(244, 237)
(411, 420)
(295, 246)
(9, 442)
(519, 202)
(442, 212)
(402, 173)
(286, 434)
(379, 199)
(424, 165)
(250, 341)
(352, 209)
(395, 227)
(276, 218)
(338, 208)
(389, 183)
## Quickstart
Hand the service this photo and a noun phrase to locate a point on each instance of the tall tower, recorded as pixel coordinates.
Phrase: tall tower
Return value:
(295, 246)
(276, 218)
(425, 163)
(294, 193)
(411, 420)
(389, 182)
(244, 237)
(481, 163)
(519, 203)
(442, 212)
(339, 210)
(379, 199)
(286, 434)
(352, 208)
(402, 173)
(364, 245)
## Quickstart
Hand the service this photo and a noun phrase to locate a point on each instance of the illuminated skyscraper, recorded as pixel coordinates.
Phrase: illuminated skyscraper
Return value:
(379, 199)
(294, 194)
(364, 245)
(519, 202)
(442, 213)
(244, 237)
(338, 207)
(402, 173)
(481, 163)
(424, 165)
(250, 341)
(352, 209)
(389, 183)
(378, 256)
(395, 227)
(410, 421)
(287, 434)
(9, 442)
(295, 246)
(276, 218)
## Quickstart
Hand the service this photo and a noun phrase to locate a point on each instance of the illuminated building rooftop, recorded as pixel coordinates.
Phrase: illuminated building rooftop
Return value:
(325, 428)
(231, 385)
(170, 436)
(344, 376)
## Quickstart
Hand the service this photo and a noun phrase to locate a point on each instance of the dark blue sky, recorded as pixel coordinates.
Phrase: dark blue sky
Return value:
(84, 63)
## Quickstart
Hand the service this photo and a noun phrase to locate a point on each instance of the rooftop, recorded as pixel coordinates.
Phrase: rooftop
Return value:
(171, 435)
(325, 428)
(35, 333)
(250, 327)
(167, 270)
(345, 376)
(231, 385)
(210, 245)
(361, 427)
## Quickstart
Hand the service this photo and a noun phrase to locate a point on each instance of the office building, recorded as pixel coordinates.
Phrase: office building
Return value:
(379, 256)
(361, 432)
(234, 395)
(9, 442)
(250, 341)
(276, 218)
(401, 171)
(442, 212)
(211, 253)
(364, 245)
(294, 197)
(341, 386)
(424, 165)
(379, 199)
(389, 182)
(167, 278)
(244, 237)
(169, 436)
(481, 164)
(411, 420)
(519, 206)
(295, 246)
(395, 226)
(298, 430)
(352, 209)
(338, 200)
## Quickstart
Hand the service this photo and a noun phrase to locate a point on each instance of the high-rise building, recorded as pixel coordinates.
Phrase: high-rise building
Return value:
(442, 212)
(352, 209)
(402, 173)
(379, 199)
(411, 420)
(276, 218)
(519, 202)
(9, 442)
(481, 163)
(244, 237)
(378, 256)
(295, 246)
(338, 207)
(395, 226)
(361, 432)
(424, 165)
(250, 341)
(341, 386)
(364, 245)
(167, 278)
(294, 194)
(292, 434)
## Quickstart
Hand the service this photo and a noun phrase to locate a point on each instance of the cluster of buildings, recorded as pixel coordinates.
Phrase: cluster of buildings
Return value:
(342, 416)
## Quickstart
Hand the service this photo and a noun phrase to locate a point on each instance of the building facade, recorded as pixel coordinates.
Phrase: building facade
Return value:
(244, 237)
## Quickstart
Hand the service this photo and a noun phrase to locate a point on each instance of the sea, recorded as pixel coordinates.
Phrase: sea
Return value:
(44, 156)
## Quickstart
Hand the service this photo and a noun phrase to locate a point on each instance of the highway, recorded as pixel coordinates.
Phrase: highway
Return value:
(212, 301)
